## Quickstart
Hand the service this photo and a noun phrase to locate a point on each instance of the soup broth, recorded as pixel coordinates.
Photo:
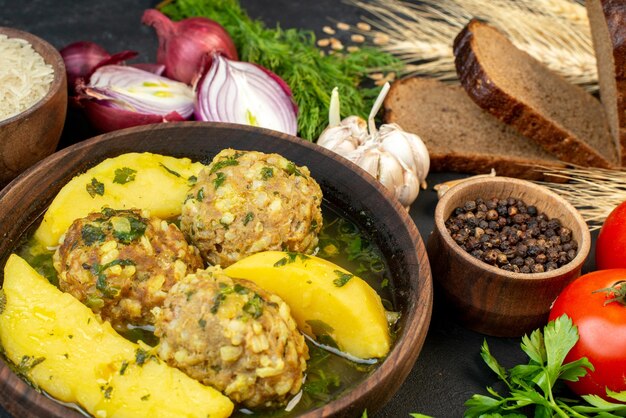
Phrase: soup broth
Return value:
(328, 375)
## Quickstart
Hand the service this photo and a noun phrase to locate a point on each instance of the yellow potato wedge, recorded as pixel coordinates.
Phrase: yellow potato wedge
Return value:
(145, 181)
(60, 346)
(324, 299)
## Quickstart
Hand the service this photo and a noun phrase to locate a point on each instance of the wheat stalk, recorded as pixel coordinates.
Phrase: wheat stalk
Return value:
(555, 32)
(595, 192)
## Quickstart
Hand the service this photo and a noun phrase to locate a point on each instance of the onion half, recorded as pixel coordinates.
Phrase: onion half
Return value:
(245, 93)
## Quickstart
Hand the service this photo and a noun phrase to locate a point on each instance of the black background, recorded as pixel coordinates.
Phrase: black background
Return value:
(449, 369)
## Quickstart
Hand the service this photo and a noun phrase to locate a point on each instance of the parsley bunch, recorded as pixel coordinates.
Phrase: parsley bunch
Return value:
(293, 55)
(531, 386)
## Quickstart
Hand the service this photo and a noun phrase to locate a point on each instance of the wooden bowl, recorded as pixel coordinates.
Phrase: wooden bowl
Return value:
(34, 134)
(486, 298)
(343, 184)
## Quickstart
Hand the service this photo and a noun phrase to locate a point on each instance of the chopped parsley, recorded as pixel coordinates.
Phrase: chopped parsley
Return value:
(92, 234)
(141, 356)
(254, 306)
(202, 323)
(123, 368)
(3, 301)
(137, 229)
(145, 397)
(101, 281)
(219, 180)
(124, 175)
(107, 391)
(342, 278)
(169, 170)
(200, 195)
(192, 180)
(267, 172)
(293, 169)
(249, 216)
(27, 363)
(228, 161)
(290, 258)
(95, 188)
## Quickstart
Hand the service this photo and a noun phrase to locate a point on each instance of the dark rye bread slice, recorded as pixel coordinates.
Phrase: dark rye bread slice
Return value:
(459, 135)
(607, 19)
(522, 92)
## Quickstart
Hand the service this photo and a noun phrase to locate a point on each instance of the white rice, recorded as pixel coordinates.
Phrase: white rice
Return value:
(24, 76)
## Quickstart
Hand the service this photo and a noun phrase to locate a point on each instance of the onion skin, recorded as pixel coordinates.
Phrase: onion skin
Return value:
(185, 45)
(106, 119)
(83, 58)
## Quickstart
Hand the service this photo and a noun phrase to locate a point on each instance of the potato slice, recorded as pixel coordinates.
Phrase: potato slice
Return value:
(324, 299)
(145, 181)
(60, 346)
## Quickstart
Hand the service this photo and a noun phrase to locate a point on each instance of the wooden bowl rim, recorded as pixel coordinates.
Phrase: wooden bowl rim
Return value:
(405, 348)
(583, 247)
(55, 60)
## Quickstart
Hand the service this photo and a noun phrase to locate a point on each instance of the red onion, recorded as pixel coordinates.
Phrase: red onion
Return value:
(245, 93)
(83, 58)
(184, 45)
(121, 96)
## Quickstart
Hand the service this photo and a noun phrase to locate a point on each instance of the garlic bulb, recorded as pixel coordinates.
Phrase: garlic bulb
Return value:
(398, 159)
(342, 136)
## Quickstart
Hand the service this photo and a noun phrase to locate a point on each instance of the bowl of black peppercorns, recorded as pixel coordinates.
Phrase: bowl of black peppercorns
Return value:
(502, 250)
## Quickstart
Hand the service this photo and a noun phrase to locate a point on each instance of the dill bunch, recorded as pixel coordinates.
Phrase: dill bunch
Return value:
(293, 55)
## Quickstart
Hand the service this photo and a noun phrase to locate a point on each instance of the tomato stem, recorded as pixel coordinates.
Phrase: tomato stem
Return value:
(615, 293)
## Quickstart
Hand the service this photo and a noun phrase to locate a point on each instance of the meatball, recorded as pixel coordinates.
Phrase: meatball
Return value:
(234, 336)
(122, 263)
(247, 202)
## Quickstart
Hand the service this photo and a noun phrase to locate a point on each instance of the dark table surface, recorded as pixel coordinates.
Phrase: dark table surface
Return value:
(449, 369)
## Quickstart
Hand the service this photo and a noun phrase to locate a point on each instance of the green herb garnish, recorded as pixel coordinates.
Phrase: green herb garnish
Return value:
(95, 188)
(342, 278)
(228, 161)
(200, 195)
(532, 385)
(124, 175)
(141, 356)
(136, 229)
(202, 323)
(293, 169)
(145, 397)
(92, 234)
(123, 368)
(219, 180)
(172, 172)
(267, 172)
(192, 180)
(249, 216)
(290, 258)
(28, 363)
(101, 280)
(254, 306)
(293, 55)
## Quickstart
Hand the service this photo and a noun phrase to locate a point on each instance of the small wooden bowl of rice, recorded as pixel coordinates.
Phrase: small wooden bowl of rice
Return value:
(33, 101)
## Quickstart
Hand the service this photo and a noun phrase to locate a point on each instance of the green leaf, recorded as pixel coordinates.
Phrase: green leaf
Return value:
(620, 396)
(560, 336)
(95, 188)
(342, 278)
(574, 370)
(124, 175)
(415, 415)
(478, 405)
(534, 347)
(492, 362)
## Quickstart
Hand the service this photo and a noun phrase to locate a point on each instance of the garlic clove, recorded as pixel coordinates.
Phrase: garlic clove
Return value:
(368, 158)
(407, 147)
(408, 191)
(391, 172)
(345, 137)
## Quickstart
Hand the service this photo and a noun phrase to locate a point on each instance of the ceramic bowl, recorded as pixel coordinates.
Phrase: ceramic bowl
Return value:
(486, 298)
(34, 134)
(344, 185)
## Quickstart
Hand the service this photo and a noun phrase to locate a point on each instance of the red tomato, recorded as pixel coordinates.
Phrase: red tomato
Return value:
(602, 330)
(611, 243)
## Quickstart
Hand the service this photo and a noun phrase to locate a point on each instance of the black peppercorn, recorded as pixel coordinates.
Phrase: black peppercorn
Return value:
(511, 235)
